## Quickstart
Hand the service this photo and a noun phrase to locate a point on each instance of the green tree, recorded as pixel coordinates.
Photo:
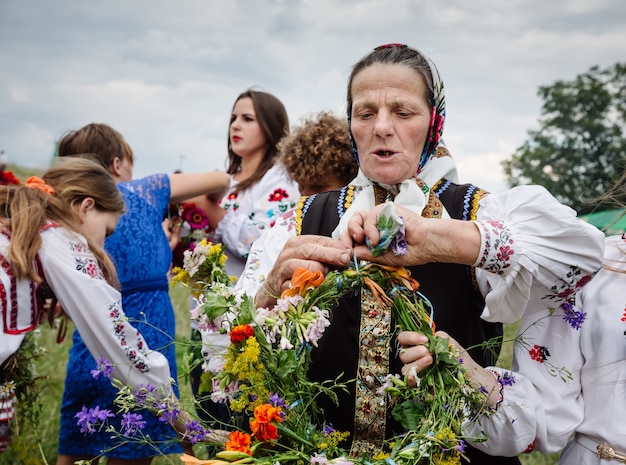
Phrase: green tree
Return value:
(580, 148)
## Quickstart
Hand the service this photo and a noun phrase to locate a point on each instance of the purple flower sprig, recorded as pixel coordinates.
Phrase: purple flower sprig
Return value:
(132, 423)
(104, 368)
(93, 419)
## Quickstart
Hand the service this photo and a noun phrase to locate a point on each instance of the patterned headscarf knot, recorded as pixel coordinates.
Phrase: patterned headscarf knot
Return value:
(35, 182)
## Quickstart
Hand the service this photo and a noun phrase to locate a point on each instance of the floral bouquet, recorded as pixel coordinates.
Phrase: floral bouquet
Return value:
(202, 268)
(262, 374)
(194, 228)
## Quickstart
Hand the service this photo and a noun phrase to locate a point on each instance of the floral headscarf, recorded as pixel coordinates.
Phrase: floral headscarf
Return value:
(438, 113)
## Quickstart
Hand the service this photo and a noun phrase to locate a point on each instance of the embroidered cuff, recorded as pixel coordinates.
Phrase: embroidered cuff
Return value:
(498, 378)
(496, 246)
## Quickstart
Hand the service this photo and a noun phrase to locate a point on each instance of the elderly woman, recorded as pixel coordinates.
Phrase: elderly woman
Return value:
(481, 258)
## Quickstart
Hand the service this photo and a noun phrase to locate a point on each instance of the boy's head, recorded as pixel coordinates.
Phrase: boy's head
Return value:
(317, 154)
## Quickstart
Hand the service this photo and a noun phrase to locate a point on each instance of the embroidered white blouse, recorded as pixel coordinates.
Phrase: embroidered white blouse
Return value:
(251, 212)
(74, 276)
(533, 249)
(569, 373)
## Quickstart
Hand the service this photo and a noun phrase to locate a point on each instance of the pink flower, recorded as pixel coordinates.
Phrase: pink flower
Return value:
(195, 217)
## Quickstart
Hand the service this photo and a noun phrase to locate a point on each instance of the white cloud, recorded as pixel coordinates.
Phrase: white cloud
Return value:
(165, 74)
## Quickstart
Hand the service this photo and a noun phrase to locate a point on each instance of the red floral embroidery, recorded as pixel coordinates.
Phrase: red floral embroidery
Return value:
(583, 281)
(278, 195)
(539, 353)
(232, 196)
(505, 253)
(530, 448)
(624, 316)
(92, 270)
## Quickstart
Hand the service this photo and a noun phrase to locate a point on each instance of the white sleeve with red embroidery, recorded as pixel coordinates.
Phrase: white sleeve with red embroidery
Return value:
(255, 210)
(534, 252)
(95, 309)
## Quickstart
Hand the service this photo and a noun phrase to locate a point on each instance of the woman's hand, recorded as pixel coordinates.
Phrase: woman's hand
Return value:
(171, 228)
(428, 239)
(414, 354)
(314, 253)
(416, 357)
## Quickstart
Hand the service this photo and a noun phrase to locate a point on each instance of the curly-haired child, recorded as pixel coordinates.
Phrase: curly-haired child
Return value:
(317, 154)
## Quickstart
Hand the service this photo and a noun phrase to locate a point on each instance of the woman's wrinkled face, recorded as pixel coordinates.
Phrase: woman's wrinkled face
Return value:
(390, 120)
(246, 135)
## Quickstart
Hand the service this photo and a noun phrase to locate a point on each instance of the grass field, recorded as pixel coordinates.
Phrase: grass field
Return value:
(39, 447)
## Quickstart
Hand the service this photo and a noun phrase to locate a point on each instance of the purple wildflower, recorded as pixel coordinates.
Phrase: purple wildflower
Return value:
(132, 423)
(507, 379)
(328, 428)
(483, 389)
(141, 393)
(398, 244)
(195, 432)
(169, 411)
(461, 447)
(104, 368)
(277, 401)
(89, 419)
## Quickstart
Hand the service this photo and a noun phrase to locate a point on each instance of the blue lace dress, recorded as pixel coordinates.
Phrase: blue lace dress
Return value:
(142, 257)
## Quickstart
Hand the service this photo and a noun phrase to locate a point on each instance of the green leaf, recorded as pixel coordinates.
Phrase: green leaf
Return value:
(409, 414)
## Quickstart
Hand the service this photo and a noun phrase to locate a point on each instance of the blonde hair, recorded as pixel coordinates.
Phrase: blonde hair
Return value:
(24, 210)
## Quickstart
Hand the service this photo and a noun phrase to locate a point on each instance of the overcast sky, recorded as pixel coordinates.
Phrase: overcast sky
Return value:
(166, 73)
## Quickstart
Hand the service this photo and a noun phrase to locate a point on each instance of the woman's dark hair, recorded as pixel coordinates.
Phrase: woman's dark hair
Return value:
(272, 117)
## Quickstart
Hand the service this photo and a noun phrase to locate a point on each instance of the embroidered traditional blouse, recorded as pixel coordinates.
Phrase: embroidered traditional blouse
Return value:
(74, 276)
(531, 246)
(569, 372)
(251, 212)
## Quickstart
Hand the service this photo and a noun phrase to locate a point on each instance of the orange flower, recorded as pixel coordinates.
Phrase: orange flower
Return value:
(38, 183)
(241, 333)
(239, 441)
(262, 426)
(301, 281)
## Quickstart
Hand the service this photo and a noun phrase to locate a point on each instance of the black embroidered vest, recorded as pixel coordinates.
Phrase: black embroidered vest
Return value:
(450, 287)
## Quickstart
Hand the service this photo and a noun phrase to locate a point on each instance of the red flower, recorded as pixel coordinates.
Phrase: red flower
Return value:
(278, 195)
(7, 178)
(241, 333)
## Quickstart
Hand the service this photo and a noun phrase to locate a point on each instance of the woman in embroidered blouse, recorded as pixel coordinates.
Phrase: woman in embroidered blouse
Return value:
(260, 189)
(52, 234)
(513, 251)
(142, 256)
(569, 372)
